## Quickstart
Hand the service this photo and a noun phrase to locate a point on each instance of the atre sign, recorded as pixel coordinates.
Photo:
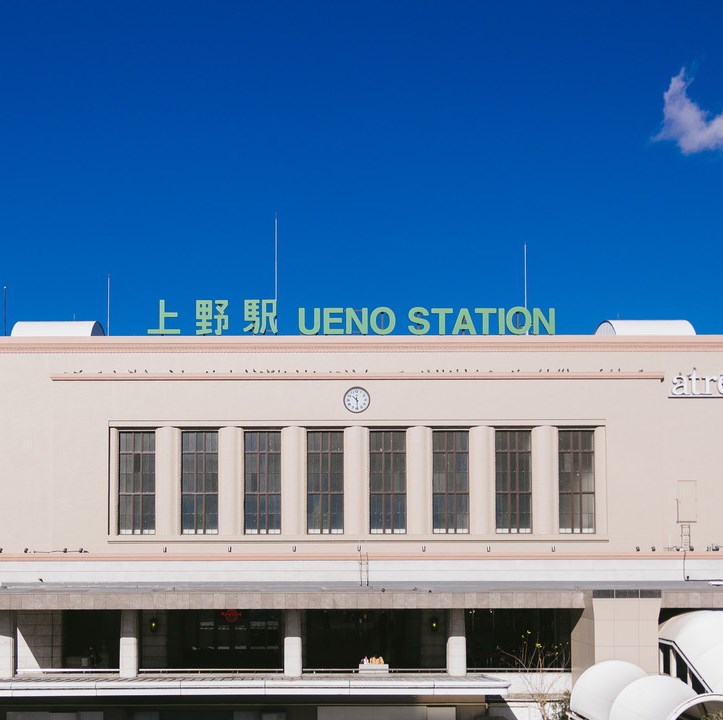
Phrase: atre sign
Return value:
(694, 385)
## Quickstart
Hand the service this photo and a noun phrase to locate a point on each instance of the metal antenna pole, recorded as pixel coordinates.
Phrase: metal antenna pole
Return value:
(524, 270)
(107, 324)
(276, 258)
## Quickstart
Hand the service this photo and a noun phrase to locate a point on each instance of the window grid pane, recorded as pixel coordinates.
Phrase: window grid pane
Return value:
(325, 482)
(199, 482)
(262, 482)
(513, 481)
(136, 483)
(388, 482)
(577, 481)
(450, 481)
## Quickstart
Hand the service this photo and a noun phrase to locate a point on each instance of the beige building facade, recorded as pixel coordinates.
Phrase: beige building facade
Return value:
(234, 524)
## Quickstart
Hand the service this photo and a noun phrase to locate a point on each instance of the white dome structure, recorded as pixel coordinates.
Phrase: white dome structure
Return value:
(645, 327)
(70, 328)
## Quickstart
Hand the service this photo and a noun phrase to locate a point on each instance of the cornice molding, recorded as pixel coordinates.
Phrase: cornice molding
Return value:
(358, 345)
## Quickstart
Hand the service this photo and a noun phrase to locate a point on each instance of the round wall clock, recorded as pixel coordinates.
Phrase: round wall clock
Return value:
(356, 399)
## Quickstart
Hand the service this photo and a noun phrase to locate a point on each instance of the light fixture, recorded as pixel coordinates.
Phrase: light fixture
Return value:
(153, 625)
(434, 623)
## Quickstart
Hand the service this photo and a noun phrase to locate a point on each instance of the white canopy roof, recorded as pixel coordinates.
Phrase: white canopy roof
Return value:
(71, 328)
(654, 697)
(645, 327)
(598, 687)
(619, 690)
(699, 637)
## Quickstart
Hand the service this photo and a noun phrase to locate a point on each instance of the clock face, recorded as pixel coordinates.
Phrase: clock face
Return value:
(356, 399)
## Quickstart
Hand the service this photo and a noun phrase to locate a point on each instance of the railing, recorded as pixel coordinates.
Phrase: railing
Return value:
(69, 671)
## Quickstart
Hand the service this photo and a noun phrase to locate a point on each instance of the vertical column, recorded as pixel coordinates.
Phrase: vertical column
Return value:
(292, 643)
(356, 481)
(545, 483)
(293, 480)
(481, 480)
(168, 480)
(456, 643)
(419, 480)
(230, 480)
(7, 644)
(601, 485)
(129, 643)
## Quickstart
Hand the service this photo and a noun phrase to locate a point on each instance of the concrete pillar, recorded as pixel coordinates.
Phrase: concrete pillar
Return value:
(293, 481)
(230, 481)
(616, 628)
(292, 643)
(129, 643)
(419, 481)
(7, 644)
(356, 481)
(168, 482)
(545, 483)
(456, 643)
(481, 480)
(38, 640)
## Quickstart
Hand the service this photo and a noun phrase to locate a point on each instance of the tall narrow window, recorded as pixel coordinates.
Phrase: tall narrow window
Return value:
(136, 483)
(513, 481)
(450, 481)
(262, 482)
(199, 482)
(325, 482)
(577, 481)
(387, 481)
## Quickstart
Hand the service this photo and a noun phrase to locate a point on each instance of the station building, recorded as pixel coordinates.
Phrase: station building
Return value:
(228, 527)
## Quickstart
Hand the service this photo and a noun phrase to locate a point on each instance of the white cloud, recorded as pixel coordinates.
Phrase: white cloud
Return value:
(685, 122)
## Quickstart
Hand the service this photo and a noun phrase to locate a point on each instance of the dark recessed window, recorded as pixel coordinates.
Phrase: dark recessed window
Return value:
(450, 481)
(513, 481)
(262, 482)
(199, 482)
(325, 481)
(136, 483)
(388, 481)
(577, 481)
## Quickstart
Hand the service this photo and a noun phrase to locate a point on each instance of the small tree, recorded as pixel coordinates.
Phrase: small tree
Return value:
(538, 662)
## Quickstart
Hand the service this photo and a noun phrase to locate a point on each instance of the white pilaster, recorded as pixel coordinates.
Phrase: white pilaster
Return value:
(419, 480)
(356, 481)
(293, 481)
(168, 481)
(481, 480)
(230, 480)
(545, 483)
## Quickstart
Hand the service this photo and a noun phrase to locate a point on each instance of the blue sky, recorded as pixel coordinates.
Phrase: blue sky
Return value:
(409, 149)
